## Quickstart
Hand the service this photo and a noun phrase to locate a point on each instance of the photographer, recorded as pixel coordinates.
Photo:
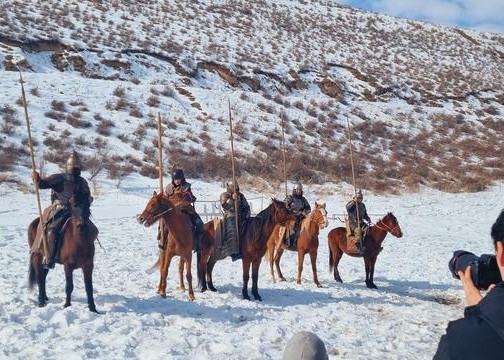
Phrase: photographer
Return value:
(480, 333)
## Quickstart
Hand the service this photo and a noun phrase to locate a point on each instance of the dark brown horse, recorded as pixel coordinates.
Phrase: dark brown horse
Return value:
(307, 243)
(180, 236)
(77, 251)
(337, 239)
(253, 246)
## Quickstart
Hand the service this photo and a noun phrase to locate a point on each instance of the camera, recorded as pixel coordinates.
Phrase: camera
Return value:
(484, 269)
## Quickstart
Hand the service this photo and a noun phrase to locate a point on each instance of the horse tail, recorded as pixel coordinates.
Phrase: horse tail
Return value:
(31, 276)
(331, 262)
(199, 266)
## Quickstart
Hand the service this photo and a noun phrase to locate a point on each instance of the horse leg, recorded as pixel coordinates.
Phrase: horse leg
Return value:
(201, 264)
(372, 263)
(336, 259)
(278, 256)
(255, 277)
(162, 260)
(87, 271)
(313, 260)
(369, 281)
(210, 265)
(271, 255)
(69, 285)
(301, 256)
(188, 260)
(40, 275)
(181, 274)
(246, 276)
(164, 273)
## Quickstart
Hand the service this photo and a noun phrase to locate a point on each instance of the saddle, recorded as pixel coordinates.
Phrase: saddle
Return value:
(225, 238)
(355, 247)
(288, 230)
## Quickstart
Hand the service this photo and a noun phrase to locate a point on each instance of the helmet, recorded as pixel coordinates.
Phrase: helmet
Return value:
(177, 174)
(297, 186)
(73, 162)
(229, 186)
(358, 194)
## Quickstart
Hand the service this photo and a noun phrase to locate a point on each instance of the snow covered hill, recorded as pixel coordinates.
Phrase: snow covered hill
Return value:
(426, 101)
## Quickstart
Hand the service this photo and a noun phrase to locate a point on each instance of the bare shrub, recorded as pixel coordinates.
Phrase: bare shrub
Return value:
(153, 101)
(58, 106)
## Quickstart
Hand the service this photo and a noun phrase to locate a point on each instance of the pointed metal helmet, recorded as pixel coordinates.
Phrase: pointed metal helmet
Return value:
(298, 186)
(358, 194)
(229, 186)
(73, 162)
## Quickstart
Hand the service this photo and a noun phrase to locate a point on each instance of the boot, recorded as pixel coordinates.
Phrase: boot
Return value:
(162, 244)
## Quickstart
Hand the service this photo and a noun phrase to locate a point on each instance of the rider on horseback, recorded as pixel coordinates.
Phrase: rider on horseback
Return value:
(227, 200)
(180, 190)
(356, 214)
(64, 186)
(299, 207)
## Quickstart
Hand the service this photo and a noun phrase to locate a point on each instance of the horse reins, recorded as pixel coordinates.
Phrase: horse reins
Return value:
(387, 228)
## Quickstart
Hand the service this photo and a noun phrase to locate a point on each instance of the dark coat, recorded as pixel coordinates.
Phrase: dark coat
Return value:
(297, 204)
(352, 213)
(65, 186)
(181, 192)
(479, 334)
(228, 205)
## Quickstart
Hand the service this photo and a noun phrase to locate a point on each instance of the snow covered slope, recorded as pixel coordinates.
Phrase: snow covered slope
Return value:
(426, 101)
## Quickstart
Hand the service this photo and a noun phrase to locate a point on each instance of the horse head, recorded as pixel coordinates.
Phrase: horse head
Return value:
(391, 225)
(282, 213)
(319, 215)
(157, 206)
(79, 213)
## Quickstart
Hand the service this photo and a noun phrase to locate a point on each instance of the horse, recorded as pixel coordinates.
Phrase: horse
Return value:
(252, 246)
(180, 236)
(307, 243)
(337, 240)
(77, 251)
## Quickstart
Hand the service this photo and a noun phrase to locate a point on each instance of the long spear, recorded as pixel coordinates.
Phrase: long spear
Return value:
(283, 151)
(358, 231)
(161, 173)
(34, 167)
(234, 173)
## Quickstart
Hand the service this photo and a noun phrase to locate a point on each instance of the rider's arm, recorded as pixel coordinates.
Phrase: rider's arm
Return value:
(365, 216)
(85, 189)
(245, 205)
(350, 206)
(306, 206)
(226, 201)
(54, 182)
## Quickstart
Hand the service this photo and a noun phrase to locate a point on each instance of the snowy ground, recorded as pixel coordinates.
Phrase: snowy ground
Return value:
(402, 320)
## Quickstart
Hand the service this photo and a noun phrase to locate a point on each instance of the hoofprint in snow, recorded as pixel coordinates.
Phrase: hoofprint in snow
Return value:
(403, 319)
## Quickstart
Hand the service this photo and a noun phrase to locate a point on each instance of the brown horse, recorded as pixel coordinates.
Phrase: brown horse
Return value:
(307, 243)
(253, 246)
(337, 239)
(180, 236)
(77, 251)
(206, 260)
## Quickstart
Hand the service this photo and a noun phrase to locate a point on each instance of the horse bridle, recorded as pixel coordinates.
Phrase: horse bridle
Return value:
(149, 214)
(387, 228)
(313, 218)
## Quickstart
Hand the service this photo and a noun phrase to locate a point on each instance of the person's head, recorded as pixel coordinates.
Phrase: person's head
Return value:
(73, 164)
(358, 196)
(497, 234)
(305, 345)
(229, 187)
(178, 176)
(297, 190)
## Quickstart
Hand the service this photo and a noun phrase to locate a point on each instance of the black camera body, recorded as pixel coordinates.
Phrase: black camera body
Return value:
(484, 269)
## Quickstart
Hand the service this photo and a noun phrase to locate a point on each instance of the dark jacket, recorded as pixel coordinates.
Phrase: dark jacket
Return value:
(297, 204)
(228, 205)
(181, 192)
(64, 186)
(352, 213)
(479, 334)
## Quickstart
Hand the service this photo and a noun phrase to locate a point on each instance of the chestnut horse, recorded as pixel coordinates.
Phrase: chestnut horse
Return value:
(307, 243)
(77, 251)
(337, 239)
(253, 246)
(180, 236)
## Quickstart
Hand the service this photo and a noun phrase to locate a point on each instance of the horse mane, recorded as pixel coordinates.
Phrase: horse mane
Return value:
(264, 218)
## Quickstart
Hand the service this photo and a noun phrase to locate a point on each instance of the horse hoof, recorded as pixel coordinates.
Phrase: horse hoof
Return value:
(298, 282)
(41, 304)
(182, 288)
(318, 285)
(192, 298)
(246, 297)
(203, 289)
(212, 288)
(93, 309)
(46, 298)
(66, 305)
(371, 285)
(163, 295)
(282, 279)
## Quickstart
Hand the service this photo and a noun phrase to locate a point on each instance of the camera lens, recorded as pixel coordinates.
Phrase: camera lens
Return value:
(484, 269)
